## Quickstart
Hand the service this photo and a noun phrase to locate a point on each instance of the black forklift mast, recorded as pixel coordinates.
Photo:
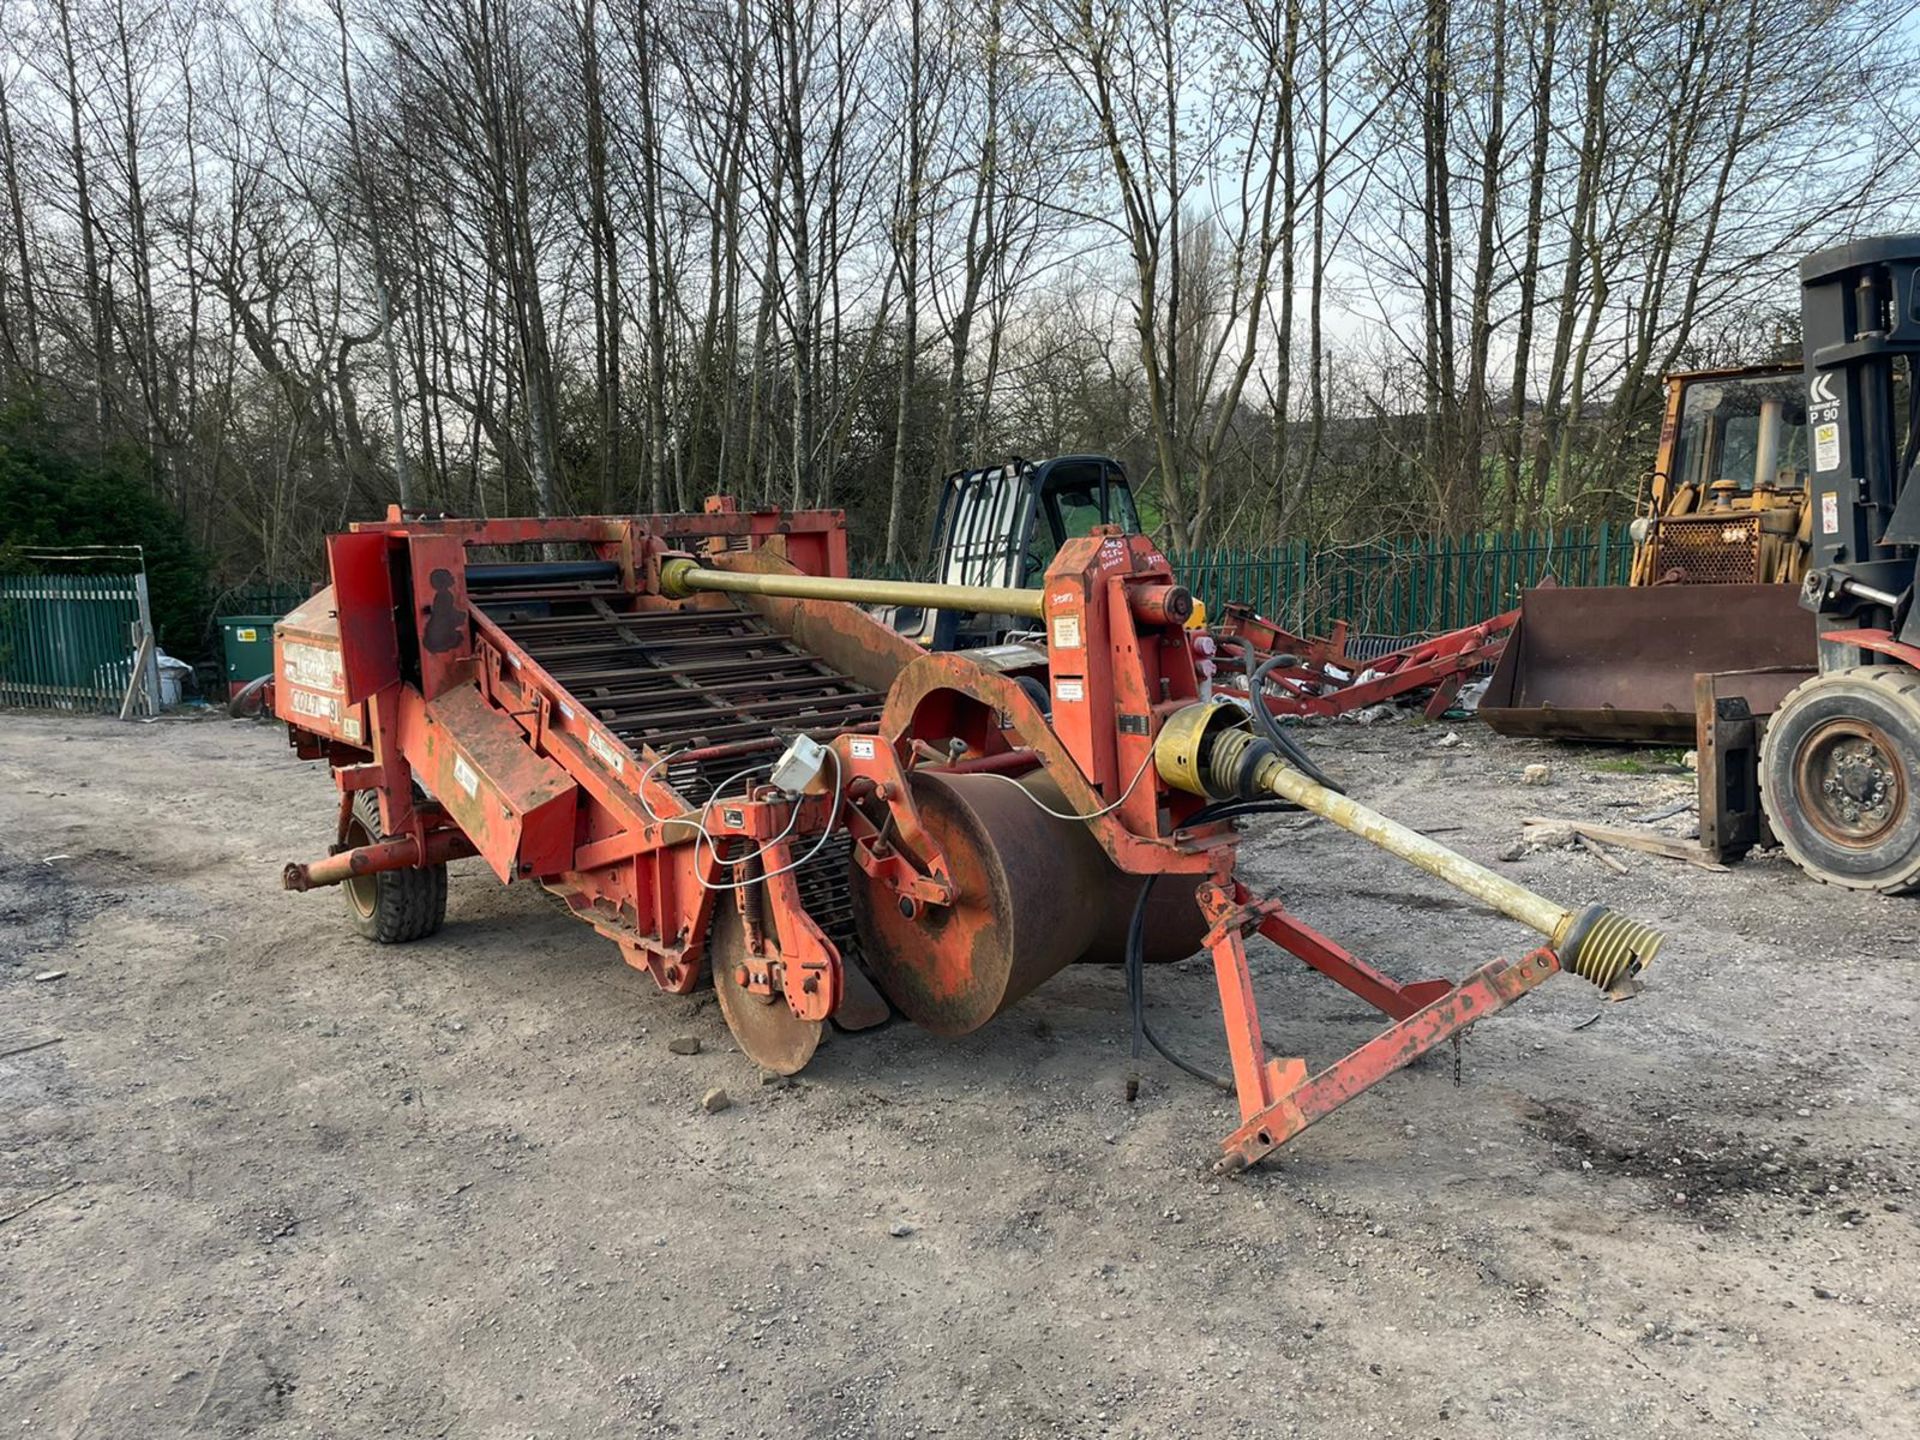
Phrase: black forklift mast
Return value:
(1860, 311)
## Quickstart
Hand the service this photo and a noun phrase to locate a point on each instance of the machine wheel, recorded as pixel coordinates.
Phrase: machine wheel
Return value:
(766, 1029)
(1838, 770)
(391, 906)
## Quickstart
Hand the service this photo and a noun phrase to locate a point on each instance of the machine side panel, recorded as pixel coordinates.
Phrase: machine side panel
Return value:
(363, 607)
(310, 680)
(516, 806)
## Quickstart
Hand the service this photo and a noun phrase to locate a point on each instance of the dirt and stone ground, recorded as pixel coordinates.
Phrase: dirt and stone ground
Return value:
(283, 1182)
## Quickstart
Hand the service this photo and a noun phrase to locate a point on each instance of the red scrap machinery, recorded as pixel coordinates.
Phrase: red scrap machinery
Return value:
(686, 727)
(1308, 675)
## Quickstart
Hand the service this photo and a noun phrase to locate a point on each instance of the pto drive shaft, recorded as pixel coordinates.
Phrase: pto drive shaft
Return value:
(1206, 750)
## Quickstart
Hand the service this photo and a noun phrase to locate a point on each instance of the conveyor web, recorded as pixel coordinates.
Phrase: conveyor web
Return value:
(687, 680)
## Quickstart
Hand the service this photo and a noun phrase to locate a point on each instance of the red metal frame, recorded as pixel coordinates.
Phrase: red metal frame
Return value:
(1879, 640)
(394, 674)
(1277, 1099)
(1322, 682)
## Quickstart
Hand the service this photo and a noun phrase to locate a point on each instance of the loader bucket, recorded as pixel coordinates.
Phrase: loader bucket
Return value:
(1617, 662)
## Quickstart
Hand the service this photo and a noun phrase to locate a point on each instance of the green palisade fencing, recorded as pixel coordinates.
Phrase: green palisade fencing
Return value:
(1407, 586)
(268, 599)
(66, 641)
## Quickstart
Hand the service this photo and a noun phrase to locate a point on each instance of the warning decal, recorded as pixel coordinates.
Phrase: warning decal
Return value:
(609, 757)
(1826, 447)
(465, 776)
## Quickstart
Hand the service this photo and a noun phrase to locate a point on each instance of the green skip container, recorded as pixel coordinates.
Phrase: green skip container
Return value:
(247, 641)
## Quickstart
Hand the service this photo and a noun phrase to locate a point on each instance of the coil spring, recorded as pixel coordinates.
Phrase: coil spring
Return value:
(1611, 948)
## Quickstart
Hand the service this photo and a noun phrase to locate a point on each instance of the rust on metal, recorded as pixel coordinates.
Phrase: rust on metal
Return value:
(1030, 892)
(1490, 989)
(608, 723)
(1617, 662)
(769, 1032)
(1318, 677)
(404, 853)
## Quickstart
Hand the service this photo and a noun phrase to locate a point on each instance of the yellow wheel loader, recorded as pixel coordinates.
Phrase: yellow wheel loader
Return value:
(1720, 548)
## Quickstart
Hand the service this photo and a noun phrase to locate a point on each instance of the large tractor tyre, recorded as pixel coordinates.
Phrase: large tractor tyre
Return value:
(1839, 768)
(391, 906)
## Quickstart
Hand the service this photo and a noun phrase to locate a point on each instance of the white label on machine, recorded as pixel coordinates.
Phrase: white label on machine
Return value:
(315, 666)
(566, 710)
(1066, 632)
(1826, 447)
(609, 757)
(861, 747)
(315, 707)
(1829, 514)
(465, 776)
(1070, 690)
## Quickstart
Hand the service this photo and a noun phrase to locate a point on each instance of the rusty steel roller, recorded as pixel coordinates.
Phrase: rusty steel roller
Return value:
(1035, 894)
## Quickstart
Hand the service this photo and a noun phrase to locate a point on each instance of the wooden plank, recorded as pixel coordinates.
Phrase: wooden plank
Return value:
(1646, 842)
(138, 674)
(1593, 848)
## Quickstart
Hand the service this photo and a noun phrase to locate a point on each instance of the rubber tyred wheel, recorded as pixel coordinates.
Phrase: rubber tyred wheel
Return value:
(1839, 766)
(391, 906)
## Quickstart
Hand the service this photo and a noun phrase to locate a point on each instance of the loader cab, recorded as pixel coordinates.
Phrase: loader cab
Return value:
(1003, 524)
(1728, 504)
(1740, 433)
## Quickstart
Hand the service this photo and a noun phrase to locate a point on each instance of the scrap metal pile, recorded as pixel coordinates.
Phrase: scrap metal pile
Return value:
(1297, 675)
(690, 730)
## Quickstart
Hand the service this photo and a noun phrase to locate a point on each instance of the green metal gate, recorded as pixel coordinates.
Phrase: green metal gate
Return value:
(72, 642)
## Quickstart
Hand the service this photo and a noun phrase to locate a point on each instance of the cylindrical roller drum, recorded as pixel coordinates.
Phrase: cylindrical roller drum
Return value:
(1173, 926)
(1031, 895)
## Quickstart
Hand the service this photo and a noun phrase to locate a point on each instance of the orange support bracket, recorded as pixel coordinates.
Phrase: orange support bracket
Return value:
(1277, 1099)
(1329, 957)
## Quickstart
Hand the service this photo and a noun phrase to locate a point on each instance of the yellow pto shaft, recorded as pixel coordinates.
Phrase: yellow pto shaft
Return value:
(1207, 750)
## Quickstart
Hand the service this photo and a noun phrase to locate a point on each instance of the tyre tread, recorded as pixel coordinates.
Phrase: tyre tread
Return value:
(409, 904)
(1903, 685)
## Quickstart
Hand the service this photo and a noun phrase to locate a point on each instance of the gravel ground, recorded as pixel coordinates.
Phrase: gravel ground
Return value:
(284, 1182)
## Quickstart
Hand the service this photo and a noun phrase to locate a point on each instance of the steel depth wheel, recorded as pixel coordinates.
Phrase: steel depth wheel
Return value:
(1838, 777)
(765, 1027)
(391, 906)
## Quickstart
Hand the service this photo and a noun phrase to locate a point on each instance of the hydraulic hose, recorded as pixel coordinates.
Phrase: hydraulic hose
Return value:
(1274, 732)
(1135, 953)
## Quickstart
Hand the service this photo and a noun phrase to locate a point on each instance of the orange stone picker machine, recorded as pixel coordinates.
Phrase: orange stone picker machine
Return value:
(687, 728)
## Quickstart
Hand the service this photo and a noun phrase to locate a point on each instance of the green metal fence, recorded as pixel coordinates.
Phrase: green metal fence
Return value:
(69, 642)
(269, 598)
(1409, 586)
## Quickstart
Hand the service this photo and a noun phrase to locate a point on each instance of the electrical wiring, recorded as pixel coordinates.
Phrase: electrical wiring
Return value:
(833, 818)
(1068, 814)
(701, 833)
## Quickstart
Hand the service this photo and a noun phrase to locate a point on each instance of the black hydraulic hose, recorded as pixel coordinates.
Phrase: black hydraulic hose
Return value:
(1271, 729)
(1136, 965)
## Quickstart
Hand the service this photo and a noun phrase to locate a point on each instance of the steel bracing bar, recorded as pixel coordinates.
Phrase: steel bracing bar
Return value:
(1277, 1098)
